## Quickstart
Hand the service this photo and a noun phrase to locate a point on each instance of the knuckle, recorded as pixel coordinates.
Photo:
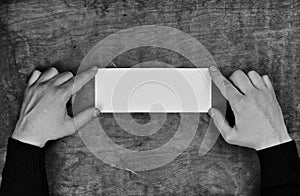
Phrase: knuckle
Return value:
(228, 138)
(231, 138)
(254, 92)
(217, 75)
(33, 86)
(62, 91)
(53, 91)
(65, 91)
(49, 85)
(239, 103)
(46, 89)
(225, 82)
(218, 78)
(59, 91)
(245, 101)
(233, 141)
(43, 86)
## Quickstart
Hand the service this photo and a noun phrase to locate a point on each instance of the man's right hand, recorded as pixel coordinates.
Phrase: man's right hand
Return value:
(259, 121)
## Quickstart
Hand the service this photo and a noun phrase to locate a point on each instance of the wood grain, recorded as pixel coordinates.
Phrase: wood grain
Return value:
(240, 34)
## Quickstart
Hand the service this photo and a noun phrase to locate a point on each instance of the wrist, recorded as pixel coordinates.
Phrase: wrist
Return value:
(274, 142)
(23, 155)
(28, 139)
(26, 134)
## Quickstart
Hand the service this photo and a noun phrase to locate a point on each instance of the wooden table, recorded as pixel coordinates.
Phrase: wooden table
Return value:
(248, 35)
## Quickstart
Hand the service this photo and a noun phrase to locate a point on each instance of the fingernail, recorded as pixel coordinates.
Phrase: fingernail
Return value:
(213, 68)
(97, 112)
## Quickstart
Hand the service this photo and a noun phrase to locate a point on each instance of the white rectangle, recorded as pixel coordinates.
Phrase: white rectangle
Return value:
(170, 90)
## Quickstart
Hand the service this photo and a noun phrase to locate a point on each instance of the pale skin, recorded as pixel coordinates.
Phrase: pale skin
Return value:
(43, 115)
(259, 122)
(258, 116)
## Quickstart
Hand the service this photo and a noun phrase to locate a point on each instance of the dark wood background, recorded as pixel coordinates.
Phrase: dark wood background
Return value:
(261, 35)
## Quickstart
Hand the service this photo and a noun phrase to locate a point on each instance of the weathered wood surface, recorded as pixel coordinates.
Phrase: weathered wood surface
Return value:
(240, 34)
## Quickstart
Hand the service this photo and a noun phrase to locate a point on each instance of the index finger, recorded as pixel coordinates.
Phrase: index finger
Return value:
(74, 85)
(226, 87)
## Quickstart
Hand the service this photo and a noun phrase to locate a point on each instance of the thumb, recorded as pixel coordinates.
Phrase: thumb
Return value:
(84, 117)
(221, 123)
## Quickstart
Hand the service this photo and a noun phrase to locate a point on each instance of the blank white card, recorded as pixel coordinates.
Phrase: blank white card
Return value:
(170, 90)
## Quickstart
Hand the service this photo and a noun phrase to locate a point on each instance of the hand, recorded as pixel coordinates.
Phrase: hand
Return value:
(259, 121)
(43, 114)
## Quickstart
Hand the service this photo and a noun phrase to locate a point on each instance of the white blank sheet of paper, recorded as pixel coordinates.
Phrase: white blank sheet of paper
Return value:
(169, 90)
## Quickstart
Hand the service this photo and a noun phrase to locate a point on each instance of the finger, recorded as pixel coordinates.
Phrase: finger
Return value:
(227, 89)
(50, 73)
(221, 123)
(240, 79)
(34, 76)
(74, 85)
(268, 82)
(83, 118)
(62, 78)
(256, 80)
